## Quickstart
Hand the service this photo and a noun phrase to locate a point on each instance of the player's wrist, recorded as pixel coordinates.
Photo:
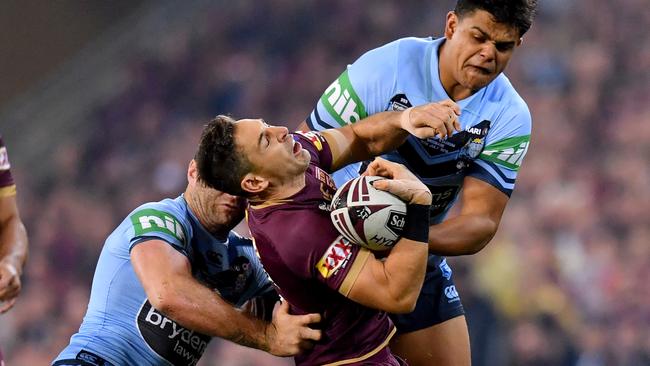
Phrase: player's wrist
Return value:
(416, 227)
(270, 333)
(405, 119)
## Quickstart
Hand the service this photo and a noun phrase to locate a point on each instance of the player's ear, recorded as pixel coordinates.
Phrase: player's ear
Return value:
(192, 172)
(451, 24)
(254, 183)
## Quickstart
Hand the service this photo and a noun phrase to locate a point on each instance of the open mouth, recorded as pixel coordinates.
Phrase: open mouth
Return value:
(296, 148)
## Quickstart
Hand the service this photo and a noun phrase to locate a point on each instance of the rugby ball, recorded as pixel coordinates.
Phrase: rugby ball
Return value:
(367, 216)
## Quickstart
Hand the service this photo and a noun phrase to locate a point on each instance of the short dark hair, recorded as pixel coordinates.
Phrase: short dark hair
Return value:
(517, 13)
(219, 162)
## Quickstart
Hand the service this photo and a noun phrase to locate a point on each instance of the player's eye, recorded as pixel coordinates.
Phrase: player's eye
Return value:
(504, 47)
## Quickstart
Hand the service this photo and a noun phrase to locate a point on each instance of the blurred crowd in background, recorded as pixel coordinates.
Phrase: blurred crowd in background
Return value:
(566, 281)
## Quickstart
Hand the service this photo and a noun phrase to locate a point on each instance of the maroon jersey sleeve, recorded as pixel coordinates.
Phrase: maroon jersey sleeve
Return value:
(7, 186)
(312, 249)
(315, 143)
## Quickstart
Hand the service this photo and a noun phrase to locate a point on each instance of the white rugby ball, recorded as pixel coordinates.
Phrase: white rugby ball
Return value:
(367, 216)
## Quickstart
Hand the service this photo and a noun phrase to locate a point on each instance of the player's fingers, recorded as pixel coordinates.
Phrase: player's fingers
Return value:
(311, 318)
(453, 105)
(382, 184)
(9, 293)
(6, 305)
(449, 124)
(311, 334)
(379, 167)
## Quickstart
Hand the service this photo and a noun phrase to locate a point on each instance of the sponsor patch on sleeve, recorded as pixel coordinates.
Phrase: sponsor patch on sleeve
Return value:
(335, 258)
(314, 137)
(508, 152)
(342, 102)
(149, 220)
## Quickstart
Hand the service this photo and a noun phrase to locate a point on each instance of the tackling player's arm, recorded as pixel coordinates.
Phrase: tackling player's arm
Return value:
(385, 131)
(482, 206)
(13, 250)
(167, 279)
(393, 284)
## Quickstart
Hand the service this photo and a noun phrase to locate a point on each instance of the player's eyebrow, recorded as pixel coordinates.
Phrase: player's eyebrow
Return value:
(496, 42)
(259, 140)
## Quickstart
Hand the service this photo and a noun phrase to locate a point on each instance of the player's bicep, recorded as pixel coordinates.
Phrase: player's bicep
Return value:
(343, 146)
(157, 264)
(368, 287)
(344, 150)
(482, 198)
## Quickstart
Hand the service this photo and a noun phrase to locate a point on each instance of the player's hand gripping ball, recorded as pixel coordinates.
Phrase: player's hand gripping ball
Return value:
(367, 216)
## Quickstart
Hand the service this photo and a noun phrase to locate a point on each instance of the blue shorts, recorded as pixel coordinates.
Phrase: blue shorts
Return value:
(438, 301)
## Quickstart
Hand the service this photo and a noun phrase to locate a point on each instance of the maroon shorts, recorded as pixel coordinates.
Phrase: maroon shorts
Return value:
(382, 358)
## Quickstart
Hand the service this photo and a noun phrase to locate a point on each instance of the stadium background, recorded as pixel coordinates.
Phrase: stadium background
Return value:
(102, 104)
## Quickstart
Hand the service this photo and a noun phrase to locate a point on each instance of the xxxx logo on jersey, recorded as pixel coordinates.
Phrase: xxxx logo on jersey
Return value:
(342, 102)
(335, 258)
(508, 152)
(315, 138)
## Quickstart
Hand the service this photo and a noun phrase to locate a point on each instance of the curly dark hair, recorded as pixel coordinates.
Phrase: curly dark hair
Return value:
(219, 162)
(517, 13)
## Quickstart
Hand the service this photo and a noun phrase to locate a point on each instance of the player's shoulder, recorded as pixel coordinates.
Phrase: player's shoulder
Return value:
(176, 208)
(503, 92)
(404, 46)
(168, 216)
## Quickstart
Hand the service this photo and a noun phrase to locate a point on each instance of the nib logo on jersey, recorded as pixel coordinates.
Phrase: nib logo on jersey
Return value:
(342, 102)
(178, 345)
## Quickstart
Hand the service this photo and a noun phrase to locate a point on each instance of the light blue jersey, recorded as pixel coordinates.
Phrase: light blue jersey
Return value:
(120, 324)
(495, 121)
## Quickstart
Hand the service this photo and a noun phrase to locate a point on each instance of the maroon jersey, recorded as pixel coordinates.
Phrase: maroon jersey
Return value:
(312, 265)
(7, 186)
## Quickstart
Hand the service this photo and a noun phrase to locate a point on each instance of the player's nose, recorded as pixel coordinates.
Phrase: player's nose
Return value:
(281, 132)
(488, 52)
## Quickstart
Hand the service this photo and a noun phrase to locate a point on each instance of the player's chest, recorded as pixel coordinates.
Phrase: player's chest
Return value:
(221, 267)
(443, 157)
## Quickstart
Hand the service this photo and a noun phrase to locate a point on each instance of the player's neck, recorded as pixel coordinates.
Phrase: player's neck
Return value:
(198, 207)
(280, 190)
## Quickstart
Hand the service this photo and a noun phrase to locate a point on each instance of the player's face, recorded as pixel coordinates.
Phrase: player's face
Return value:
(271, 150)
(480, 48)
(222, 208)
(218, 209)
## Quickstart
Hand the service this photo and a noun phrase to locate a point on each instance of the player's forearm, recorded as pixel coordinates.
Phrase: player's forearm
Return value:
(461, 235)
(13, 243)
(198, 308)
(404, 269)
(379, 133)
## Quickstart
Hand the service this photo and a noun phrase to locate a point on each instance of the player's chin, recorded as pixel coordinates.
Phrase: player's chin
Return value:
(475, 81)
